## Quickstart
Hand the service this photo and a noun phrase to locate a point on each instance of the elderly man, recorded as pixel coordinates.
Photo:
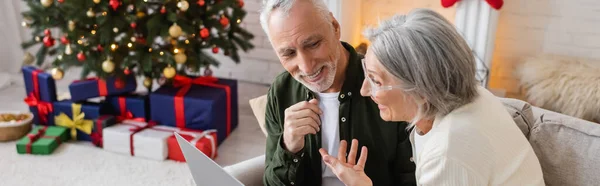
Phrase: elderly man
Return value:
(317, 103)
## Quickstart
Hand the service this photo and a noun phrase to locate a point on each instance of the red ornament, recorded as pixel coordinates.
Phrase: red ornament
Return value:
(163, 10)
(224, 21)
(119, 84)
(204, 33)
(241, 3)
(61, 1)
(100, 49)
(141, 40)
(133, 25)
(201, 2)
(48, 41)
(215, 50)
(127, 71)
(114, 4)
(81, 57)
(47, 32)
(496, 4)
(64, 40)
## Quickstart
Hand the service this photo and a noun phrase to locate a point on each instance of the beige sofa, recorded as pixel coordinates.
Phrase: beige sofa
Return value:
(568, 148)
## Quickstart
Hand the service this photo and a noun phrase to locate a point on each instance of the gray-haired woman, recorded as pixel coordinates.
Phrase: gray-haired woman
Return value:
(419, 69)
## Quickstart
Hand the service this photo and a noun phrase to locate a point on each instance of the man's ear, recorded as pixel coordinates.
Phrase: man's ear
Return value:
(336, 26)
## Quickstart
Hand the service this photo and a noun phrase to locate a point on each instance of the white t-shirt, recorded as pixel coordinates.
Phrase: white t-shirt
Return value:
(476, 144)
(330, 133)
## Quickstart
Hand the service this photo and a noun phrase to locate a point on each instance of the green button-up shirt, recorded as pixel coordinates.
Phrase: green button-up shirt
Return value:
(390, 155)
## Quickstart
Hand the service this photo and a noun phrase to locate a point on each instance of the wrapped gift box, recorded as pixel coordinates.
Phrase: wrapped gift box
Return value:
(41, 92)
(94, 87)
(202, 103)
(129, 106)
(83, 127)
(42, 140)
(205, 141)
(139, 139)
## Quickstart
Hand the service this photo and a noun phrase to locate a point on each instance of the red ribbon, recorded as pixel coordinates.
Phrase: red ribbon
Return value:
(125, 114)
(136, 129)
(102, 90)
(186, 83)
(44, 108)
(34, 100)
(33, 138)
(97, 135)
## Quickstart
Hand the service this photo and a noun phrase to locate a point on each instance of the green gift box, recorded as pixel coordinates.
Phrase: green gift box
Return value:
(42, 140)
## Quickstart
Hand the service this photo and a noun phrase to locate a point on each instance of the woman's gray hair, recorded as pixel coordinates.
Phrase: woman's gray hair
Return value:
(432, 61)
(285, 5)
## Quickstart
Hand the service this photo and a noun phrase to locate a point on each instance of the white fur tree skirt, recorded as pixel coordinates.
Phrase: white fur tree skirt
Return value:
(80, 163)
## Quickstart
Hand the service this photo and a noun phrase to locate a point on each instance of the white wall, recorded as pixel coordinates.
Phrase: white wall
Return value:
(11, 36)
(530, 27)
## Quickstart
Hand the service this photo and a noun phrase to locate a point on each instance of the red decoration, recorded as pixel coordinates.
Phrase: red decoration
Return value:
(61, 1)
(241, 3)
(204, 33)
(496, 4)
(127, 71)
(215, 50)
(64, 40)
(224, 21)
(201, 2)
(114, 4)
(119, 84)
(100, 49)
(48, 41)
(141, 40)
(163, 10)
(133, 25)
(47, 32)
(81, 57)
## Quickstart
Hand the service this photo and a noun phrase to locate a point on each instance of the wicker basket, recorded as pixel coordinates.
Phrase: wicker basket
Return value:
(11, 132)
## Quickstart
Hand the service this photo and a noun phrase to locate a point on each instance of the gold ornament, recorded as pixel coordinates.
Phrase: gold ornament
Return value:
(71, 25)
(96, 1)
(169, 72)
(68, 49)
(140, 14)
(180, 58)
(37, 38)
(90, 13)
(147, 82)
(183, 5)
(108, 66)
(25, 24)
(28, 59)
(46, 3)
(57, 73)
(115, 29)
(175, 31)
(59, 57)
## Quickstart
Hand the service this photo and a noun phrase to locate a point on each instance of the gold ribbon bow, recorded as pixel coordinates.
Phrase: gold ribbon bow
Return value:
(76, 123)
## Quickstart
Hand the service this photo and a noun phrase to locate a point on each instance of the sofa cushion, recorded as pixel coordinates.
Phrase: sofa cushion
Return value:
(521, 113)
(568, 149)
(259, 108)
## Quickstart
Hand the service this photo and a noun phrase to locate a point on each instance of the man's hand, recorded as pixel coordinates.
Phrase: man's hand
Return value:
(300, 119)
(350, 172)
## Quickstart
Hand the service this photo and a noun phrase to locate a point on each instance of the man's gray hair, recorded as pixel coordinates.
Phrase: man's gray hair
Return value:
(432, 61)
(285, 5)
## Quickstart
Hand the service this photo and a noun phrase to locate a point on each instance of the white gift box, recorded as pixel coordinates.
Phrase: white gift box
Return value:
(148, 142)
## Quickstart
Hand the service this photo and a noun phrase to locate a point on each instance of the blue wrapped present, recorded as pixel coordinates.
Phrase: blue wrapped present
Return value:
(130, 106)
(94, 87)
(83, 119)
(41, 92)
(200, 103)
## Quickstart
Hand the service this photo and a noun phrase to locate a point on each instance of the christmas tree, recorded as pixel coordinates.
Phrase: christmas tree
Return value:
(151, 38)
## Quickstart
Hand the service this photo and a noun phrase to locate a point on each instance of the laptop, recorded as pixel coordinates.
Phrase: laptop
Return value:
(204, 170)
